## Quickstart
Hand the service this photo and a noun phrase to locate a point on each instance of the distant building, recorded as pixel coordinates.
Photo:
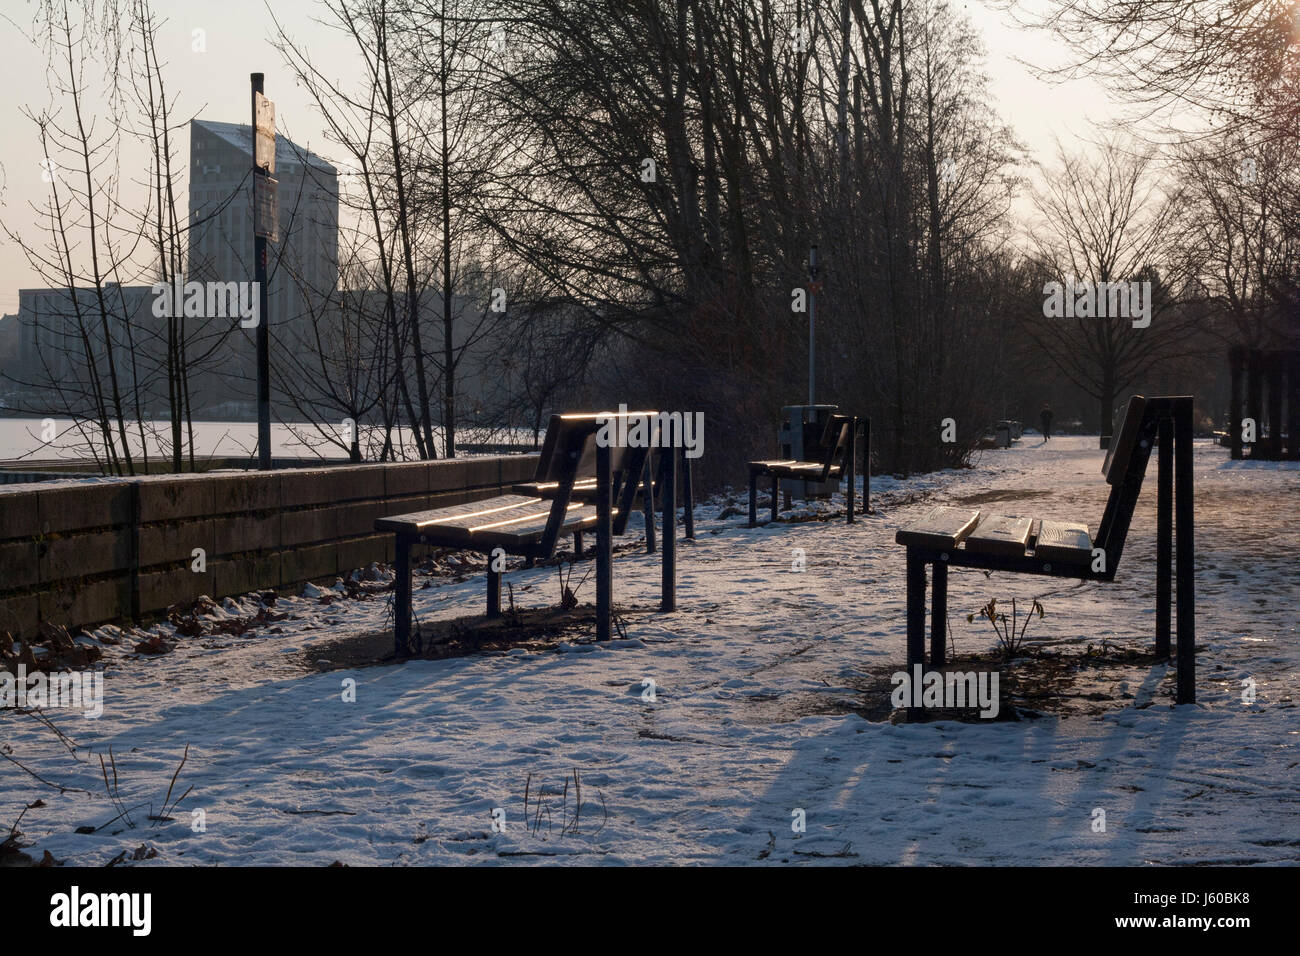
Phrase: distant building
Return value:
(303, 263)
(54, 330)
(9, 338)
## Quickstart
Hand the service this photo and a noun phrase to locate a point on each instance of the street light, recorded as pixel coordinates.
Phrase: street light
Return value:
(814, 287)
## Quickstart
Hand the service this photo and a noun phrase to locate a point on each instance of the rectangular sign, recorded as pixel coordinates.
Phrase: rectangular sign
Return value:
(266, 207)
(264, 135)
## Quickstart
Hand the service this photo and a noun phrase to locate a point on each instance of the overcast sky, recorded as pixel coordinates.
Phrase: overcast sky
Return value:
(213, 84)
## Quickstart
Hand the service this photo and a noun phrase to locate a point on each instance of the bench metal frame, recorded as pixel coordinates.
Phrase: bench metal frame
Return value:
(844, 429)
(1164, 422)
(570, 448)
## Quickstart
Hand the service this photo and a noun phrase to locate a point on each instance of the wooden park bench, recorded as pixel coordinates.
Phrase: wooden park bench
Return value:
(530, 526)
(961, 537)
(839, 453)
(643, 492)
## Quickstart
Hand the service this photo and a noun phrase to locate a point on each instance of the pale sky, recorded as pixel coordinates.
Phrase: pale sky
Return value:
(236, 33)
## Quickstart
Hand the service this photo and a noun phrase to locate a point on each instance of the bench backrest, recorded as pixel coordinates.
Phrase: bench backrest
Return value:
(835, 443)
(550, 466)
(569, 454)
(1124, 468)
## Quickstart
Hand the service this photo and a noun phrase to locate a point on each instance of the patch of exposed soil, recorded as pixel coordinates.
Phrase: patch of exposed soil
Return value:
(1041, 680)
(533, 629)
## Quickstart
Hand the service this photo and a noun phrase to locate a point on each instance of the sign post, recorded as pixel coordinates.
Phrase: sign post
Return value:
(265, 229)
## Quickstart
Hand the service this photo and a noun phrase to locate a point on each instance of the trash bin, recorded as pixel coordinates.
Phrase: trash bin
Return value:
(1003, 434)
(802, 427)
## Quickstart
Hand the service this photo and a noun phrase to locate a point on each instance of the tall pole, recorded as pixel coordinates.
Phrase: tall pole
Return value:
(812, 324)
(263, 333)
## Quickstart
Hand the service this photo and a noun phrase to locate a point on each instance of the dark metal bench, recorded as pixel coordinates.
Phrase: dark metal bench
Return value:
(963, 537)
(530, 527)
(839, 459)
(643, 493)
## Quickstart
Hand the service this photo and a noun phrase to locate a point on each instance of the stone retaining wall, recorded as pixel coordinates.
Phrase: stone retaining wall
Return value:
(85, 553)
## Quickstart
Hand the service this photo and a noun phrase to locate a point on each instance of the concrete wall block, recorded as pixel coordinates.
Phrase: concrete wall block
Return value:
(405, 505)
(239, 576)
(78, 507)
(359, 518)
(19, 565)
(463, 473)
(185, 496)
(175, 541)
(243, 493)
(412, 479)
(518, 468)
(331, 485)
(308, 527)
(254, 531)
(71, 556)
(76, 603)
(159, 590)
(309, 563)
(360, 552)
(19, 517)
(20, 614)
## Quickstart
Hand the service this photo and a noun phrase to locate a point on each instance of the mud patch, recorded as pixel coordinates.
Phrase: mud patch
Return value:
(1042, 680)
(533, 629)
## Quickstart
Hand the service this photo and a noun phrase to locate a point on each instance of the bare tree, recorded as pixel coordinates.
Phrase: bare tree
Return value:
(1108, 220)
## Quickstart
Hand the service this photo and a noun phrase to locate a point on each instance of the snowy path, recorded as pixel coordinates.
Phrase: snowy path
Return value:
(753, 678)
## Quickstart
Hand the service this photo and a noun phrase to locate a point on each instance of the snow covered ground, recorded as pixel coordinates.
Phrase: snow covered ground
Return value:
(761, 682)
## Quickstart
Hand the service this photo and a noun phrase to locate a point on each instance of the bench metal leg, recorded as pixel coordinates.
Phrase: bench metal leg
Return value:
(776, 490)
(493, 592)
(402, 597)
(648, 506)
(753, 499)
(939, 616)
(604, 546)
(915, 618)
(688, 496)
(668, 500)
(851, 454)
(577, 545)
(1164, 534)
(1185, 553)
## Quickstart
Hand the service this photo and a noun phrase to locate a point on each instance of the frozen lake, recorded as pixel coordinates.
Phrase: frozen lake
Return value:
(39, 439)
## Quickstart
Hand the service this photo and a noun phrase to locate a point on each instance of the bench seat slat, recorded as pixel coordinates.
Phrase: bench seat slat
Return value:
(794, 469)
(999, 534)
(941, 528)
(1065, 541)
(416, 521)
(511, 521)
(583, 490)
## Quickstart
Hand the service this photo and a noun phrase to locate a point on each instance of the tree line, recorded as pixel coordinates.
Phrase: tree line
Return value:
(616, 202)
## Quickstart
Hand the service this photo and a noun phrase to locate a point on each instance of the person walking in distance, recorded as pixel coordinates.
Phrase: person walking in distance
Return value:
(1045, 416)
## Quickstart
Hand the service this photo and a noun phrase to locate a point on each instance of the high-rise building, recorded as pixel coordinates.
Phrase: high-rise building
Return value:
(303, 265)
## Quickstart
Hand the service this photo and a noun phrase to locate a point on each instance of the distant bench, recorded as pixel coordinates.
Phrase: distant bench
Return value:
(838, 458)
(529, 526)
(964, 537)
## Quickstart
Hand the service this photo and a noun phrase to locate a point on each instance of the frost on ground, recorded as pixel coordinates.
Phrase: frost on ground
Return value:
(770, 707)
